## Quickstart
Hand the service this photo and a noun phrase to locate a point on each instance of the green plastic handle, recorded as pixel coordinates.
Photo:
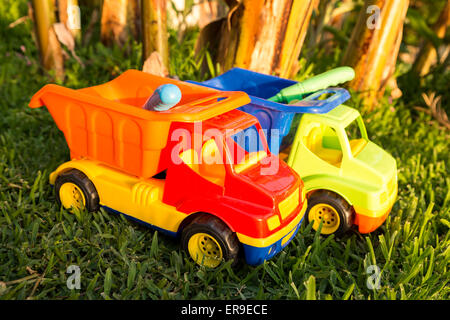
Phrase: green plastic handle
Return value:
(322, 81)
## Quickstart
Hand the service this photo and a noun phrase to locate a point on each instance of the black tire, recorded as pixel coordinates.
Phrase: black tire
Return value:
(344, 210)
(81, 181)
(218, 230)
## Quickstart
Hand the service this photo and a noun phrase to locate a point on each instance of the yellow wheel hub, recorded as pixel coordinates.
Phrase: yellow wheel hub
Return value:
(327, 214)
(205, 250)
(71, 196)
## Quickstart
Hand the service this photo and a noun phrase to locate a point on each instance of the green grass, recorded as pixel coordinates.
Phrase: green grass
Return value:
(120, 259)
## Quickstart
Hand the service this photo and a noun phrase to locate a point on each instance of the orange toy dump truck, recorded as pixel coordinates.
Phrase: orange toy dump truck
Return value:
(187, 171)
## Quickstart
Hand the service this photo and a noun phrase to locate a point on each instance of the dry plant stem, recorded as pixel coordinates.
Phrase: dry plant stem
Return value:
(209, 11)
(323, 17)
(434, 109)
(63, 9)
(36, 284)
(388, 79)
(427, 55)
(208, 39)
(335, 20)
(30, 277)
(65, 37)
(373, 52)
(154, 29)
(114, 21)
(264, 36)
(90, 28)
(49, 47)
(134, 18)
(295, 34)
(18, 21)
(155, 65)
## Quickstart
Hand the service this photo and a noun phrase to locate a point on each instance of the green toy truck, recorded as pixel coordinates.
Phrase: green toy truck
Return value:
(349, 179)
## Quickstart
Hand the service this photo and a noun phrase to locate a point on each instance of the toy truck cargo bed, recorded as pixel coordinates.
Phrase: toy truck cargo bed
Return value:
(107, 122)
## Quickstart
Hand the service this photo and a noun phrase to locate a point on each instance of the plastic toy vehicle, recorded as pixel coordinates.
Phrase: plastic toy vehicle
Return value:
(349, 180)
(159, 167)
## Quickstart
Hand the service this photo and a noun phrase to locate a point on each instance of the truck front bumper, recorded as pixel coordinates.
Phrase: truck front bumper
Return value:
(256, 250)
(369, 220)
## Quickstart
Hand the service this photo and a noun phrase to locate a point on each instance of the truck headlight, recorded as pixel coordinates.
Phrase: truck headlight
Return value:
(273, 222)
(383, 197)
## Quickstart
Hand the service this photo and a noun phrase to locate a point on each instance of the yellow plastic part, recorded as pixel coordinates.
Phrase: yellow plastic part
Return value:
(315, 144)
(71, 196)
(331, 156)
(288, 205)
(138, 198)
(327, 214)
(249, 160)
(205, 250)
(314, 137)
(287, 237)
(190, 157)
(211, 166)
(273, 222)
(356, 145)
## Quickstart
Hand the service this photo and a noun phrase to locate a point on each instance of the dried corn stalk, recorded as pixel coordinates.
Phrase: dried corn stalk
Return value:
(264, 36)
(434, 109)
(134, 18)
(154, 65)
(49, 46)
(69, 14)
(374, 47)
(201, 12)
(119, 21)
(154, 29)
(427, 55)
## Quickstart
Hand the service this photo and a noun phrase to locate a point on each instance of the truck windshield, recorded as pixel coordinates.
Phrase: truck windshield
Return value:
(357, 135)
(246, 148)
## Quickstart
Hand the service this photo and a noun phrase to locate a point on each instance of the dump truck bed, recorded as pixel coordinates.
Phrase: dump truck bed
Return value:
(107, 122)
